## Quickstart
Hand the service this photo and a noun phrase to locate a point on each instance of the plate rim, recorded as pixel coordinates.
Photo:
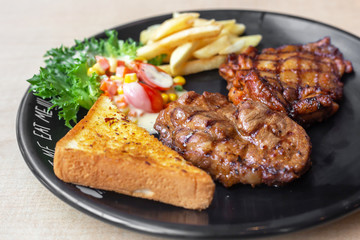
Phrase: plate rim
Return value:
(167, 229)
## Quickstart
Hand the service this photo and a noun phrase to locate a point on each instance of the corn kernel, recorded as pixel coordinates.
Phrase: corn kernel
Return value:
(98, 69)
(90, 71)
(130, 77)
(172, 97)
(113, 64)
(120, 90)
(165, 98)
(116, 78)
(179, 80)
(141, 59)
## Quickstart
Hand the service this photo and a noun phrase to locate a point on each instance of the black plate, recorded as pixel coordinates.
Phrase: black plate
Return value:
(329, 190)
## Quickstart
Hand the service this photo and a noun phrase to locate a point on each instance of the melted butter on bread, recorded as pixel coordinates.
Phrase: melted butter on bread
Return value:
(107, 151)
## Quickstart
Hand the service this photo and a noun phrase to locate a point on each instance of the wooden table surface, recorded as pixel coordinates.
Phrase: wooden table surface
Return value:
(29, 28)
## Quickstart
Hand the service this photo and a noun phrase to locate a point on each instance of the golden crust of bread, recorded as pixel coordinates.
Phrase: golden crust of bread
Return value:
(106, 151)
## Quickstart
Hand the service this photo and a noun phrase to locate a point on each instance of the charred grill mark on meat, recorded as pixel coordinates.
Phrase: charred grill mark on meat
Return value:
(247, 143)
(300, 80)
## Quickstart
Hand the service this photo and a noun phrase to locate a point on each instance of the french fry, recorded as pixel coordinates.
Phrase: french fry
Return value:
(194, 44)
(251, 40)
(225, 23)
(199, 22)
(166, 68)
(235, 47)
(146, 34)
(172, 25)
(205, 41)
(197, 65)
(213, 48)
(227, 26)
(237, 29)
(180, 55)
(200, 65)
(152, 50)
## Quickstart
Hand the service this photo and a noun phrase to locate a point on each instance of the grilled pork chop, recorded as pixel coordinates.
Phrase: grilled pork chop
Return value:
(245, 143)
(300, 80)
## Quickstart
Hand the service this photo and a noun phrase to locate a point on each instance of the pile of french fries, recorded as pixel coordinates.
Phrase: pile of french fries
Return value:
(193, 44)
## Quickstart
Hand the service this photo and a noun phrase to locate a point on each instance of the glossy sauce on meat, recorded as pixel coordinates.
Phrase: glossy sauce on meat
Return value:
(247, 143)
(300, 80)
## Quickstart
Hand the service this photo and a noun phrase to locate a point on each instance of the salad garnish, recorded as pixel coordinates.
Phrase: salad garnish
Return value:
(65, 80)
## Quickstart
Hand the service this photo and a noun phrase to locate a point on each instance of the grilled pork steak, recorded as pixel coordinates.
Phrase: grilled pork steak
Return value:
(245, 143)
(300, 80)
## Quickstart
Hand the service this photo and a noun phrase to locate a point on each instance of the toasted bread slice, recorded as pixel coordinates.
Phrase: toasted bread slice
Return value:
(107, 151)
